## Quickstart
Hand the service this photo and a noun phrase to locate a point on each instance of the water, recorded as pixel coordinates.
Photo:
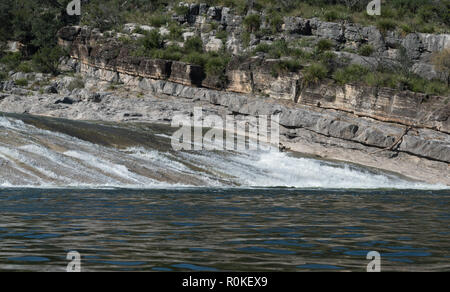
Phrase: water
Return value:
(224, 229)
(124, 200)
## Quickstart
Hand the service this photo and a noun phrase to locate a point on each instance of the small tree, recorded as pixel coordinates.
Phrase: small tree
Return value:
(152, 40)
(252, 23)
(46, 60)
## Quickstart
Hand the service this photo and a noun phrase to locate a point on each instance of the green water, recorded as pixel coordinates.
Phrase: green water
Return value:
(196, 229)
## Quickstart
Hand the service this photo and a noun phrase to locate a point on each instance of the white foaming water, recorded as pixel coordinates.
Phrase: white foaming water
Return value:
(71, 162)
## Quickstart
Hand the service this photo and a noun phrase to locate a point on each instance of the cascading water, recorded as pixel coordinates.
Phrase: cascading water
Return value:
(124, 199)
(43, 152)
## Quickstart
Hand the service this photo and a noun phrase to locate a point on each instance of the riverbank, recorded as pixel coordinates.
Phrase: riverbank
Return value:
(421, 155)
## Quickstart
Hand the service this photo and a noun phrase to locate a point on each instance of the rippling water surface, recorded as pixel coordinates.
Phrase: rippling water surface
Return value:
(195, 229)
(200, 210)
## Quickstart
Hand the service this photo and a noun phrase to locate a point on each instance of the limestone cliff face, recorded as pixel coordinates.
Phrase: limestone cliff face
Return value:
(385, 104)
(255, 76)
(375, 117)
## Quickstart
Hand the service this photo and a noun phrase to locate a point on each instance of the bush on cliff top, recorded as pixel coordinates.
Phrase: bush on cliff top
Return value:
(397, 80)
(314, 74)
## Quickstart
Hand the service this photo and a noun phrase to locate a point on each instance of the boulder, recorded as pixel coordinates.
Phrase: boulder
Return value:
(214, 45)
(428, 71)
(329, 30)
(413, 45)
(297, 25)
(214, 13)
(234, 45)
(374, 38)
(188, 35)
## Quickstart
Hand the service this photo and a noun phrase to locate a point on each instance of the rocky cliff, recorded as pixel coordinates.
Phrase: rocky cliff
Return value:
(391, 129)
(253, 76)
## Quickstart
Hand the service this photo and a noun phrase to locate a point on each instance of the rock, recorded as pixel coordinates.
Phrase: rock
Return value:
(130, 27)
(69, 33)
(163, 31)
(65, 100)
(428, 71)
(297, 25)
(188, 35)
(203, 8)
(186, 74)
(413, 46)
(234, 45)
(19, 76)
(233, 23)
(136, 36)
(214, 13)
(393, 39)
(350, 58)
(427, 143)
(353, 33)
(155, 68)
(51, 89)
(146, 28)
(194, 9)
(7, 85)
(329, 30)
(14, 47)
(435, 42)
(374, 38)
(214, 45)
(226, 15)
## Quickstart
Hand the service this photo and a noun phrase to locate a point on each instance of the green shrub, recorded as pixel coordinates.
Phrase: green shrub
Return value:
(173, 52)
(3, 76)
(324, 45)
(276, 22)
(275, 50)
(245, 38)
(252, 23)
(262, 48)
(21, 82)
(215, 68)
(366, 50)
(25, 67)
(372, 79)
(176, 32)
(436, 87)
(326, 57)
(139, 30)
(158, 20)
(197, 58)
(46, 60)
(11, 61)
(406, 29)
(77, 83)
(222, 35)
(350, 74)
(125, 40)
(194, 44)
(314, 73)
(331, 15)
(386, 24)
(285, 66)
(152, 40)
(181, 10)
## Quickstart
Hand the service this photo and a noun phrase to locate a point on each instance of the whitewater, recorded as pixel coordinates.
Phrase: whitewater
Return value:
(57, 154)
